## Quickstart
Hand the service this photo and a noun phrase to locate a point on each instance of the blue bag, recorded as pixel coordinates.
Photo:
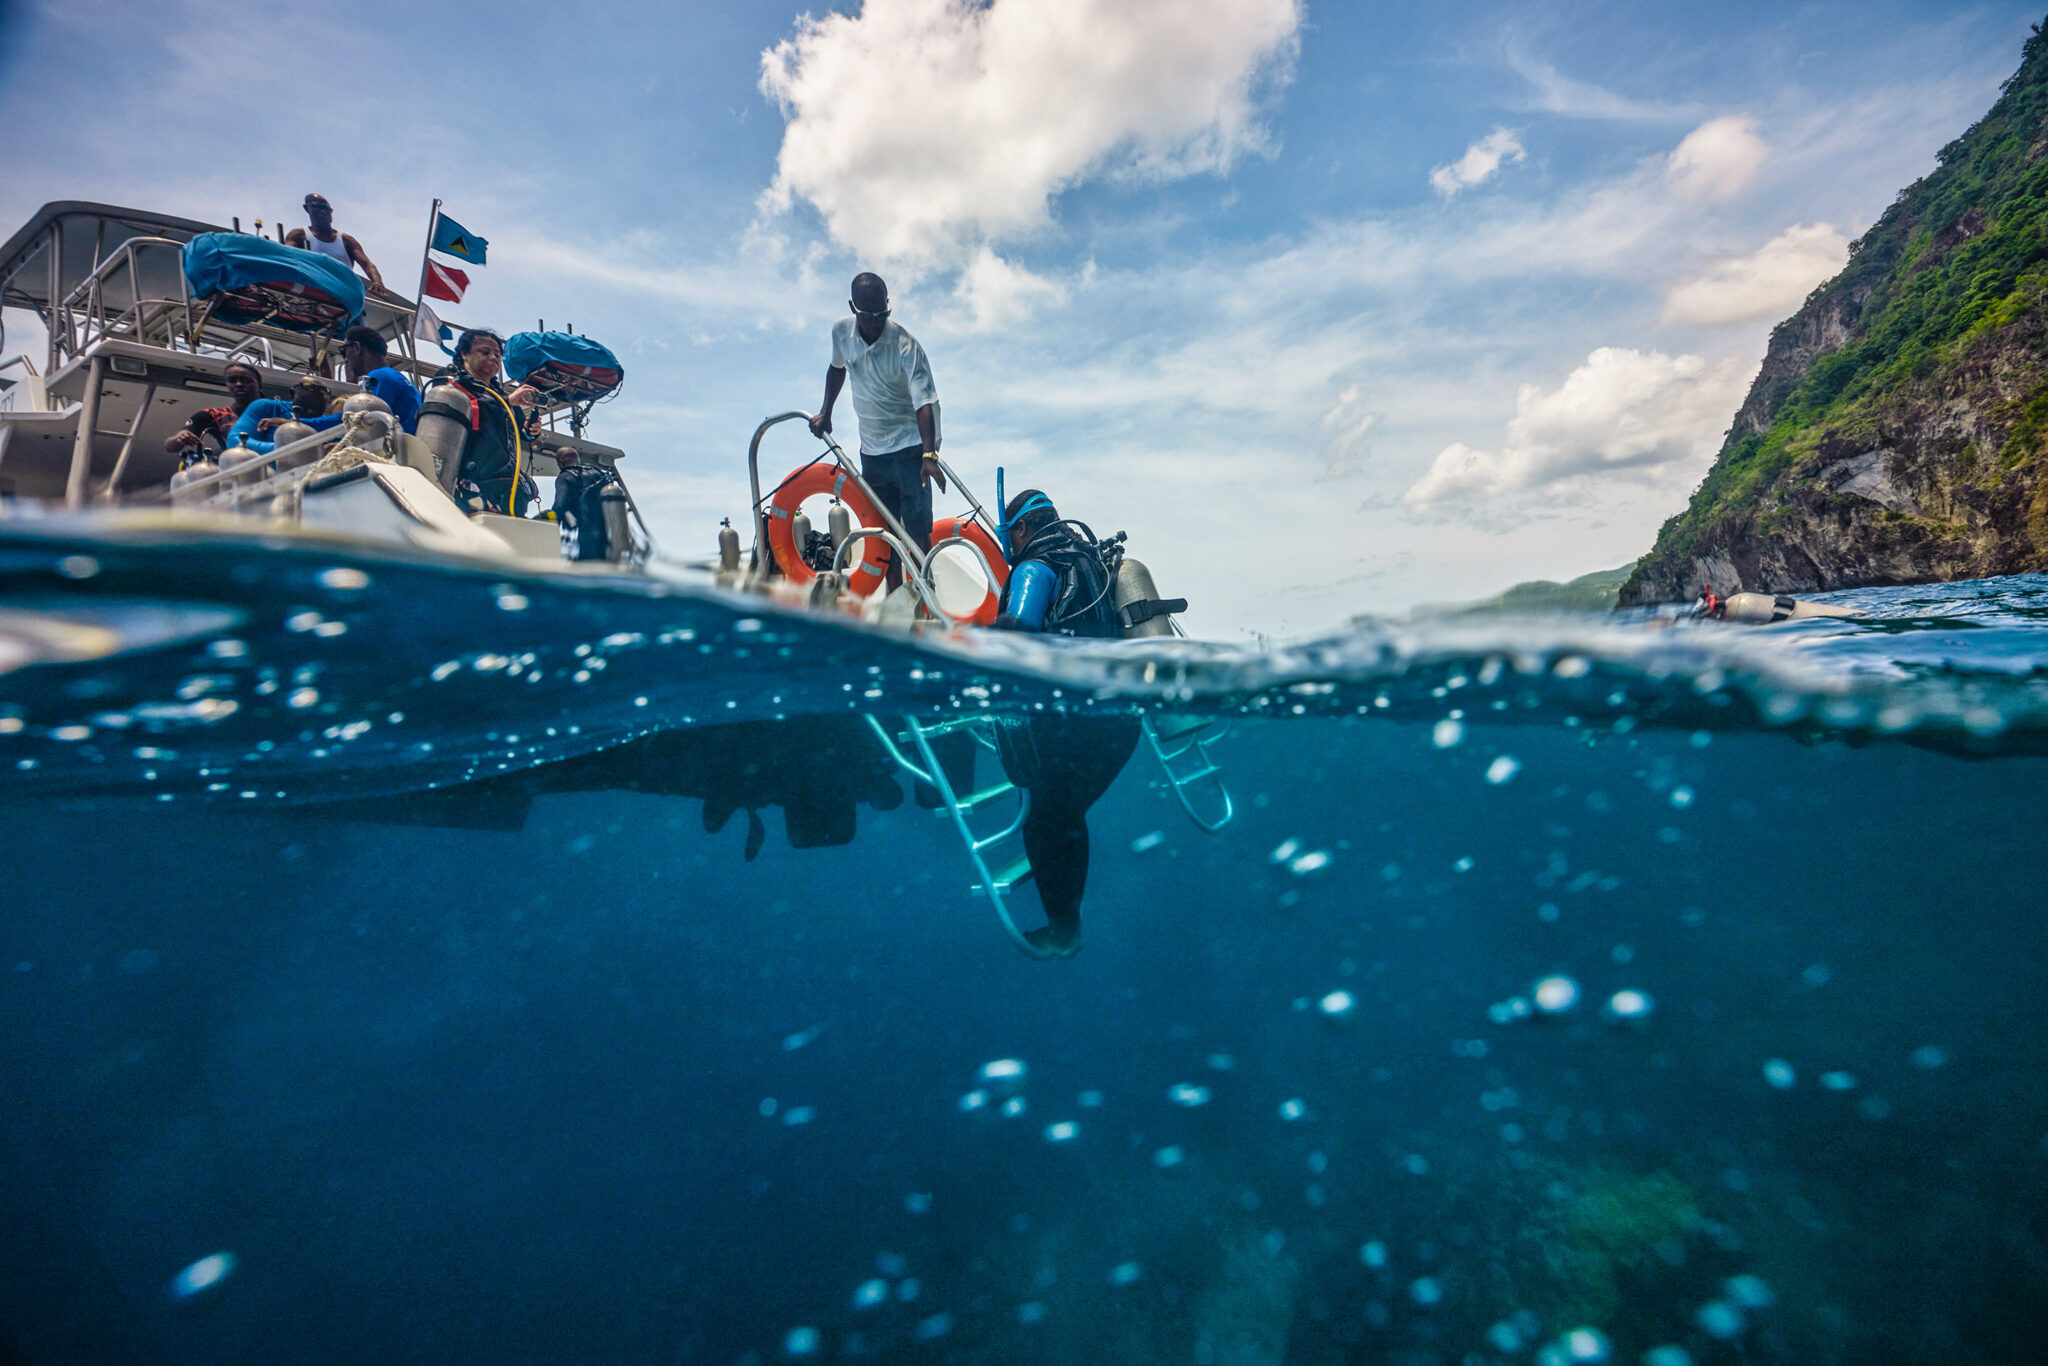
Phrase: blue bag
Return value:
(566, 368)
(252, 280)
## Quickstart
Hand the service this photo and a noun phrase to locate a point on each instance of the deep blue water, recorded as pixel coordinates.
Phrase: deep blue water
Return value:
(465, 1041)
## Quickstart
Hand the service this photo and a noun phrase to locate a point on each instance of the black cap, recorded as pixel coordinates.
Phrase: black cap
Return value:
(870, 294)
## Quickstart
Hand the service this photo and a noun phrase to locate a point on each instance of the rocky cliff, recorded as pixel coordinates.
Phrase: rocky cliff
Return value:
(1898, 432)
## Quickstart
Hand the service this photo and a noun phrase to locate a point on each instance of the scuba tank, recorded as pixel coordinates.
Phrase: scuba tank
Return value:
(241, 458)
(444, 426)
(618, 531)
(801, 525)
(839, 524)
(199, 467)
(1140, 611)
(728, 554)
(287, 432)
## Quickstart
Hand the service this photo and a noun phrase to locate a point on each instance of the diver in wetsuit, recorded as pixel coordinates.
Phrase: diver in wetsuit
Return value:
(1061, 582)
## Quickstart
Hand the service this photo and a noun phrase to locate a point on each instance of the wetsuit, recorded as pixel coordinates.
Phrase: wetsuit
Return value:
(579, 494)
(1065, 762)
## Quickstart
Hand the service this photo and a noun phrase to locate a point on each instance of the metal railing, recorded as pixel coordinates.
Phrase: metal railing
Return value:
(98, 308)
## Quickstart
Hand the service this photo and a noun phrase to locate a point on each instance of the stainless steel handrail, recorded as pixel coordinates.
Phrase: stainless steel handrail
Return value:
(88, 298)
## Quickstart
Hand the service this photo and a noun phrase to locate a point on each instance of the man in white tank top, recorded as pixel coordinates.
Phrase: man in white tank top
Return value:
(325, 240)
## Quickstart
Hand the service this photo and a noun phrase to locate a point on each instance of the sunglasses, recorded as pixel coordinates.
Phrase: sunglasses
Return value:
(870, 313)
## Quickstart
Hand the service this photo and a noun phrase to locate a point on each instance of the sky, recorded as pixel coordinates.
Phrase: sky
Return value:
(1335, 308)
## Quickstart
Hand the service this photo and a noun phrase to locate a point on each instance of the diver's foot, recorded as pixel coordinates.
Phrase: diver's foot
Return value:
(926, 796)
(1055, 941)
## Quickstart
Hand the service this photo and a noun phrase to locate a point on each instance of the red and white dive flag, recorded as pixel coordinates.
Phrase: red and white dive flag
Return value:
(446, 282)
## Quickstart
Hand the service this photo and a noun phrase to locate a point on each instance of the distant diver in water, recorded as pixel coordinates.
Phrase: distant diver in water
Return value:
(1759, 609)
(1062, 581)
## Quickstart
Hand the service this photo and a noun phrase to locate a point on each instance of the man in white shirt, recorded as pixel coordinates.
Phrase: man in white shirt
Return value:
(898, 408)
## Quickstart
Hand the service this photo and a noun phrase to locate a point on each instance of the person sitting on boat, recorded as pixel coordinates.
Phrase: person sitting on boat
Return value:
(363, 355)
(1061, 582)
(310, 398)
(898, 407)
(226, 424)
(495, 471)
(323, 238)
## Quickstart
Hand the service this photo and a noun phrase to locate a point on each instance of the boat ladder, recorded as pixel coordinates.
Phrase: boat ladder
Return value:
(982, 849)
(1174, 739)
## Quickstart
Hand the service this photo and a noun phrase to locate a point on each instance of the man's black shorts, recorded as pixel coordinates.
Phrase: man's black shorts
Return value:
(897, 477)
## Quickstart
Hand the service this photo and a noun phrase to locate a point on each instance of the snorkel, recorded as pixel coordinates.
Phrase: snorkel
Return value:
(1002, 522)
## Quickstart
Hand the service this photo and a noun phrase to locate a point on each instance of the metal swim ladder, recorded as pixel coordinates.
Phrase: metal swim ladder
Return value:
(1184, 736)
(1018, 869)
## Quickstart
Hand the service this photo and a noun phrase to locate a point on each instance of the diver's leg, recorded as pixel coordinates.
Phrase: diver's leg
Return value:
(1056, 841)
(1066, 763)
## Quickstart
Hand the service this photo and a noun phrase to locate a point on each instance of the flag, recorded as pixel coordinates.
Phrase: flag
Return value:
(446, 282)
(428, 327)
(451, 237)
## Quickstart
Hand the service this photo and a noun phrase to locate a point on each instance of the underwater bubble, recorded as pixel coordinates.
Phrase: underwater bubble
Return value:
(1548, 913)
(1720, 1320)
(1447, 734)
(342, 579)
(1415, 1164)
(1681, 798)
(1126, 1273)
(1552, 1354)
(1555, 995)
(1318, 1162)
(799, 1040)
(1002, 1070)
(1779, 1074)
(909, 1289)
(1187, 1095)
(918, 1202)
(1292, 1109)
(1586, 1344)
(1377, 1315)
(1503, 769)
(1505, 1338)
(1066, 1131)
(1873, 1107)
(1373, 1254)
(1314, 1196)
(799, 1114)
(1030, 1312)
(1285, 850)
(1838, 1081)
(1426, 1291)
(1310, 863)
(1013, 1107)
(1630, 1004)
(203, 1274)
(767, 1108)
(1817, 976)
(891, 1263)
(974, 1100)
(870, 1293)
(1169, 1156)
(800, 1342)
(1748, 1292)
(937, 1326)
(1464, 864)
(1089, 1100)
(1930, 1057)
(1667, 1355)
(1337, 1005)
(1221, 1062)
(1149, 841)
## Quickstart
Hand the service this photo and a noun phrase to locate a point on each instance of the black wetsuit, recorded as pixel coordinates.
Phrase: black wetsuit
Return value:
(1066, 762)
(579, 493)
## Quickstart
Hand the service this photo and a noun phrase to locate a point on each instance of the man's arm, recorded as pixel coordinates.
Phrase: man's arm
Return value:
(296, 238)
(362, 258)
(928, 433)
(835, 379)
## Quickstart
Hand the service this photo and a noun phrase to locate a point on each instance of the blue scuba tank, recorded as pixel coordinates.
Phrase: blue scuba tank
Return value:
(1032, 586)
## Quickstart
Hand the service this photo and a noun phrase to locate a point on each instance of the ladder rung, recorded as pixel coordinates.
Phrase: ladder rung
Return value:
(1020, 871)
(1185, 778)
(987, 794)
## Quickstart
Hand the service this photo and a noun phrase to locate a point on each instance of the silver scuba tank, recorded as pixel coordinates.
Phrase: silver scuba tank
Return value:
(283, 434)
(1134, 587)
(444, 426)
(728, 547)
(618, 532)
(838, 524)
(243, 467)
(800, 527)
(198, 469)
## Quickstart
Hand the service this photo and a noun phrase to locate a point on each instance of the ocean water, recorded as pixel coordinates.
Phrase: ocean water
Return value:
(399, 965)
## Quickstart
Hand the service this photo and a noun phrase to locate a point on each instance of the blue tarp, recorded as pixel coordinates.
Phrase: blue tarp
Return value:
(255, 280)
(562, 365)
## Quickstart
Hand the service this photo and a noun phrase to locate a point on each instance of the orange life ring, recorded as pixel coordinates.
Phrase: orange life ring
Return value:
(809, 482)
(974, 532)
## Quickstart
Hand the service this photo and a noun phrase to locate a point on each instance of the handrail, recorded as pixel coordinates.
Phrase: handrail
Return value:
(89, 297)
(919, 584)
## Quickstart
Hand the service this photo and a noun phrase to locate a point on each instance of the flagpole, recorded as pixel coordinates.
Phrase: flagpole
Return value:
(433, 221)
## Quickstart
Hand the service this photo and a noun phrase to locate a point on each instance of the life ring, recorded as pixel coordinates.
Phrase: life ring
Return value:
(809, 482)
(946, 528)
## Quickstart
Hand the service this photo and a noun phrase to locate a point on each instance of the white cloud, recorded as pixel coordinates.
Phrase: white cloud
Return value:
(1000, 293)
(1621, 410)
(1553, 92)
(1347, 422)
(922, 129)
(1477, 166)
(1770, 283)
(1717, 159)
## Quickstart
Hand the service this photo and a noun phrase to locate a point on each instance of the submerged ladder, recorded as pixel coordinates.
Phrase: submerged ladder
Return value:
(1173, 740)
(926, 768)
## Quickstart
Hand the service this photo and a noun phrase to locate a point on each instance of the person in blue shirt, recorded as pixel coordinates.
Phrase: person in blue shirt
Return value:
(363, 353)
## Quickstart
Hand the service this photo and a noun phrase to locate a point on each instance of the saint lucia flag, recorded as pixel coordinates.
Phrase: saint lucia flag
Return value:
(451, 237)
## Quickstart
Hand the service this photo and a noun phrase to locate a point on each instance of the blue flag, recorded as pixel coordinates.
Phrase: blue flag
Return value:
(451, 237)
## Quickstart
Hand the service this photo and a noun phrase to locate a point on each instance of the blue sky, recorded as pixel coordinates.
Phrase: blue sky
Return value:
(1336, 308)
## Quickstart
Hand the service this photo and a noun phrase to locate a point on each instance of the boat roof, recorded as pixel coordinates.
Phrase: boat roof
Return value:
(85, 232)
